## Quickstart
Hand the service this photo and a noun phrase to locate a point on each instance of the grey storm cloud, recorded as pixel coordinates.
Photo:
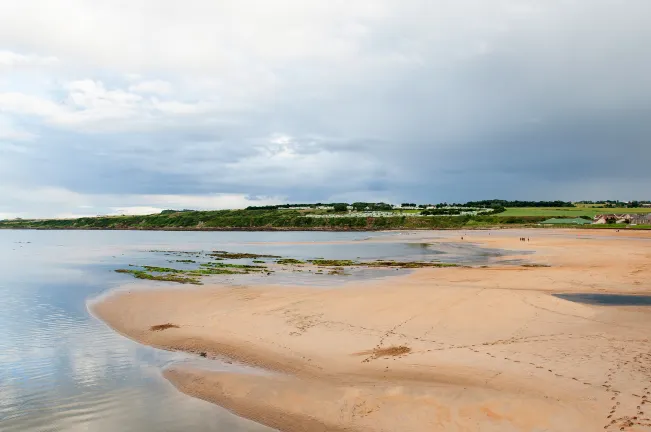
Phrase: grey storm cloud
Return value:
(379, 100)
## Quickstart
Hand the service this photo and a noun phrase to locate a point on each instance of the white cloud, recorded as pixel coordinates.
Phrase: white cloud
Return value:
(304, 163)
(19, 103)
(159, 87)
(137, 210)
(12, 59)
(41, 195)
(205, 202)
(89, 106)
(196, 34)
(8, 147)
(15, 135)
(9, 131)
(278, 54)
(181, 108)
(65, 215)
(92, 94)
(63, 203)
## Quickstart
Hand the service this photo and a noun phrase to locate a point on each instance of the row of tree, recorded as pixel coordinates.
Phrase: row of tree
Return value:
(175, 211)
(369, 206)
(358, 206)
(617, 203)
(382, 206)
(287, 206)
(517, 203)
(441, 211)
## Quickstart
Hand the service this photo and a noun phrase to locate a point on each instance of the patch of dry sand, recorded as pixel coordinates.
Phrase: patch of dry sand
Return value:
(446, 349)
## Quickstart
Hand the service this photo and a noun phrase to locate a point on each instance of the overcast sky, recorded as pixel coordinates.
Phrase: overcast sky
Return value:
(111, 107)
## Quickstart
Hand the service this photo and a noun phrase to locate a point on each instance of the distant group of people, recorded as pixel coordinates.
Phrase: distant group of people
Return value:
(524, 239)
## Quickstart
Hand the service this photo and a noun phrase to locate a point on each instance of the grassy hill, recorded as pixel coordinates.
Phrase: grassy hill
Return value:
(310, 219)
(266, 220)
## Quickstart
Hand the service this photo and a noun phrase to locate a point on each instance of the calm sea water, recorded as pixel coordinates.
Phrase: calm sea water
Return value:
(63, 370)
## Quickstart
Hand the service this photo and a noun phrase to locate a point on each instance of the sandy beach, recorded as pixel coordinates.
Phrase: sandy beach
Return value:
(440, 349)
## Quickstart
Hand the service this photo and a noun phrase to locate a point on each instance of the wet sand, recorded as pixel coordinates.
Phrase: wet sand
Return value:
(443, 349)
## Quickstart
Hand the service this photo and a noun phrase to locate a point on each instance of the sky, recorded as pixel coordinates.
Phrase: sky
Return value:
(130, 107)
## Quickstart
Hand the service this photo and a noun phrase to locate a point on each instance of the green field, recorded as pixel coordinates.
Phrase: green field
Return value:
(568, 211)
(618, 226)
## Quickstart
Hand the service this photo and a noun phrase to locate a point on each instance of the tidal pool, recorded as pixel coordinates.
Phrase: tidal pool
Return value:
(608, 299)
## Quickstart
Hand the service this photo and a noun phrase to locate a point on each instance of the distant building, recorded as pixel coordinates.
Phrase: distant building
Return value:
(608, 218)
(641, 219)
(633, 219)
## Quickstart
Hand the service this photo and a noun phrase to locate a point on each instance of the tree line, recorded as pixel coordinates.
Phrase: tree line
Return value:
(517, 203)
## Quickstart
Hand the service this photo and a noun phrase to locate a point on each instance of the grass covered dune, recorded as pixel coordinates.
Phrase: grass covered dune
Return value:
(265, 220)
(440, 349)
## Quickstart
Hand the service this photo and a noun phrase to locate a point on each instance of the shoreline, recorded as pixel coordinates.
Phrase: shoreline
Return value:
(438, 349)
(271, 229)
(339, 229)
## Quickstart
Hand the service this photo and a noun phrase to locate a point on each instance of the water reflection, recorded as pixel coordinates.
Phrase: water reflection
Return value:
(60, 369)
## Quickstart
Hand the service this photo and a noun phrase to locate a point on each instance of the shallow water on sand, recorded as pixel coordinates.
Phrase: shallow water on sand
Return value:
(62, 369)
(608, 299)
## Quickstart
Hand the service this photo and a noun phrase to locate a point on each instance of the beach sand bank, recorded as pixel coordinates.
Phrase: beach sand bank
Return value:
(444, 349)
